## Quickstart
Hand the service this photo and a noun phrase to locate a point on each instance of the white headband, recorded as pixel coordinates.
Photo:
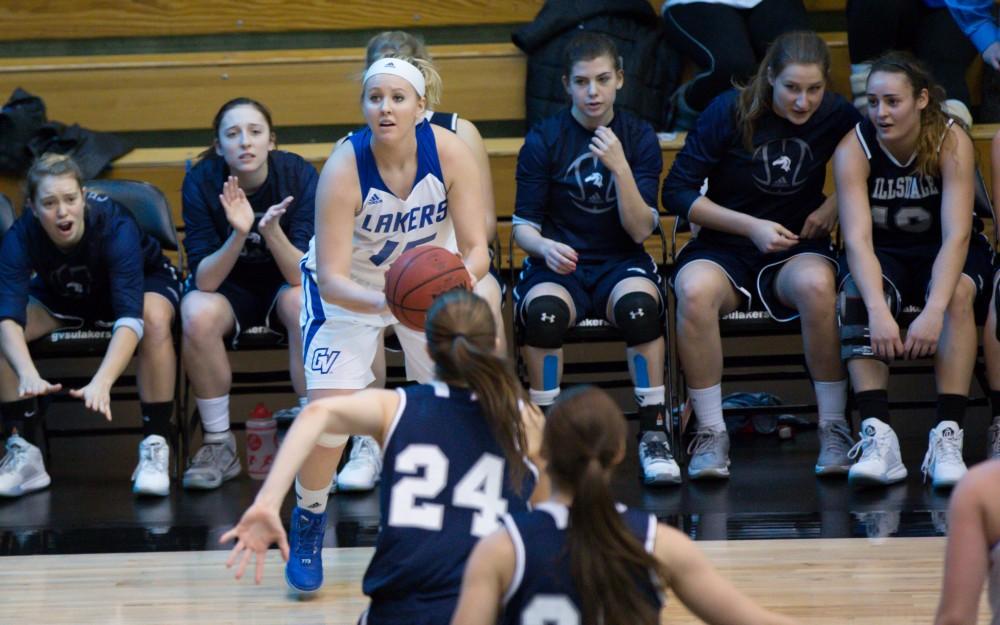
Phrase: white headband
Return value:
(398, 67)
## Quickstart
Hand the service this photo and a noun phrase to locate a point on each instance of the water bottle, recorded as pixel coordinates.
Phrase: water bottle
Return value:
(262, 441)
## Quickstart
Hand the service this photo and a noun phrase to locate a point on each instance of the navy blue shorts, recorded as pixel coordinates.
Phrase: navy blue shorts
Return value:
(253, 306)
(96, 311)
(590, 285)
(753, 272)
(908, 270)
(416, 611)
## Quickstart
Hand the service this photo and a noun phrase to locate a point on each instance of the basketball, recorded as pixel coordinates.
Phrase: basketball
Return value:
(417, 277)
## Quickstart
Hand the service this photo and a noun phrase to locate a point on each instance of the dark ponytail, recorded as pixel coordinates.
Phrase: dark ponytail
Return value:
(461, 338)
(584, 440)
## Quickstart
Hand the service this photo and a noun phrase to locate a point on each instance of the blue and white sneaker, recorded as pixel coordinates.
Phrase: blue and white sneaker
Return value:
(304, 569)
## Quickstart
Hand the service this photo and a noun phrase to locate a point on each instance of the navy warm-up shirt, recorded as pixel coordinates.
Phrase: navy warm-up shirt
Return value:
(206, 227)
(780, 180)
(570, 196)
(108, 264)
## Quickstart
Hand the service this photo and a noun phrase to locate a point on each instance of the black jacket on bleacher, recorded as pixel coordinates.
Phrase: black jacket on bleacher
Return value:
(652, 69)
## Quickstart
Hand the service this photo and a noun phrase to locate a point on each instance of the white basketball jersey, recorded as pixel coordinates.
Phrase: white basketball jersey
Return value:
(388, 225)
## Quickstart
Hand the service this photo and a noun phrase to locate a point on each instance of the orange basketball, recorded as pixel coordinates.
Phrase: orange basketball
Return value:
(417, 277)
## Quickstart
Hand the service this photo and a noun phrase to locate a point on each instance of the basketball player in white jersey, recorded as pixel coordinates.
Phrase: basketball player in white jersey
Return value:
(396, 184)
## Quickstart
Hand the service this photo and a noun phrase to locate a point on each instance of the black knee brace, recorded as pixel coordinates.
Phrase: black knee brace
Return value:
(852, 316)
(545, 320)
(637, 315)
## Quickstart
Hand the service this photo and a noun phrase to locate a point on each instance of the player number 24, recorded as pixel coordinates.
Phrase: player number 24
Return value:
(480, 489)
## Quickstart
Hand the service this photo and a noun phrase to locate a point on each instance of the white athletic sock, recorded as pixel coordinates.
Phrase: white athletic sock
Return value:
(312, 500)
(707, 403)
(303, 402)
(651, 396)
(543, 399)
(831, 401)
(214, 413)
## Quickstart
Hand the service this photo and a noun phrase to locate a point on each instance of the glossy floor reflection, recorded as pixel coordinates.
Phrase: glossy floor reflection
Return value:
(772, 494)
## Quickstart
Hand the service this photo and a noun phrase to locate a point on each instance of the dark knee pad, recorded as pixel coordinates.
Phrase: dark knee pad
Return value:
(545, 320)
(637, 315)
(852, 317)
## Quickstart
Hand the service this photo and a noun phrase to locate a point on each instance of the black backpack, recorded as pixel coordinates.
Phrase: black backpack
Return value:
(21, 117)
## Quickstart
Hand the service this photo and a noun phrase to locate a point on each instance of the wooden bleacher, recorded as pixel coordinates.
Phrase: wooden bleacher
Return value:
(78, 19)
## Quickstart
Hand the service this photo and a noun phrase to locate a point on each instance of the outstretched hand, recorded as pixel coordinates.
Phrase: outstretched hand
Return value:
(33, 385)
(234, 201)
(272, 217)
(258, 529)
(96, 396)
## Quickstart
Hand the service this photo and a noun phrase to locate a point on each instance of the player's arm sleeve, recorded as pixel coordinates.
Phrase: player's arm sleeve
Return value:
(200, 237)
(303, 224)
(532, 182)
(706, 144)
(975, 18)
(126, 274)
(15, 274)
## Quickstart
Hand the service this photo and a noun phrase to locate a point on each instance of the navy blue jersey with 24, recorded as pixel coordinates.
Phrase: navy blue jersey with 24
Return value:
(445, 485)
(543, 590)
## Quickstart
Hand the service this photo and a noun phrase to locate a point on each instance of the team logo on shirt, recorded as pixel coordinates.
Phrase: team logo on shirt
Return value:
(254, 248)
(72, 281)
(595, 189)
(781, 166)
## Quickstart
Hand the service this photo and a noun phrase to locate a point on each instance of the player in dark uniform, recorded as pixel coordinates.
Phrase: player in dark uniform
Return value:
(586, 200)
(764, 238)
(73, 259)
(581, 558)
(361, 470)
(905, 192)
(454, 463)
(248, 217)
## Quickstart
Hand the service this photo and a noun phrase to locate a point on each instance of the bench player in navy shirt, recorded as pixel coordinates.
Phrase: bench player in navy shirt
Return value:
(586, 200)
(248, 217)
(905, 188)
(764, 235)
(92, 265)
(454, 463)
(580, 557)
(361, 470)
